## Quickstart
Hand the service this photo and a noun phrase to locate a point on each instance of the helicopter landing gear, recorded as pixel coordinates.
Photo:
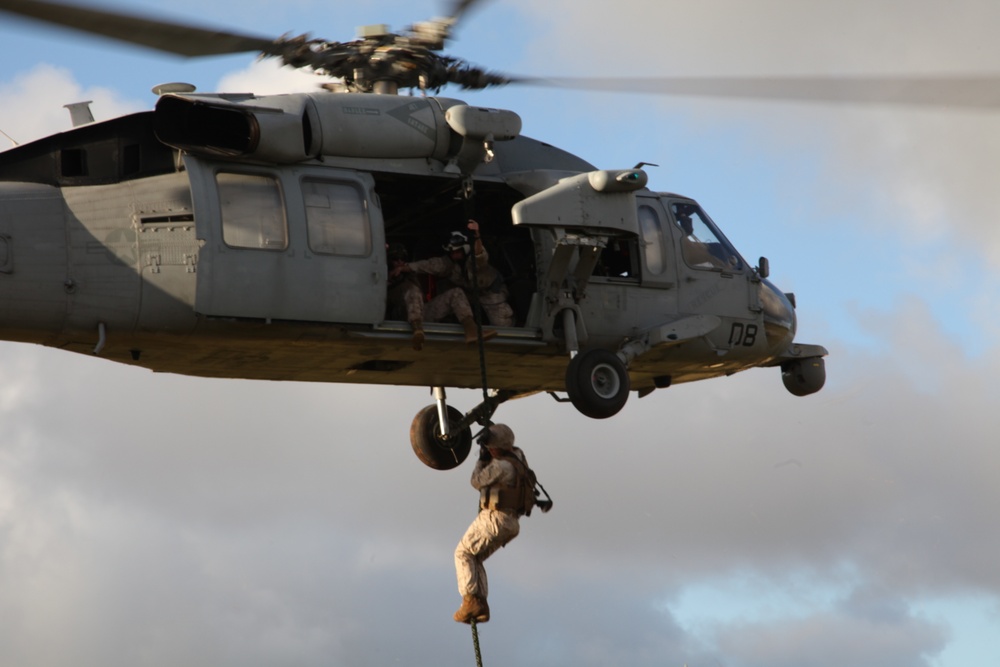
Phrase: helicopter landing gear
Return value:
(441, 436)
(435, 449)
(597, 383)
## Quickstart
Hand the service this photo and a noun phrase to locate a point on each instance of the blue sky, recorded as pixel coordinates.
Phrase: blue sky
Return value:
(678, 538)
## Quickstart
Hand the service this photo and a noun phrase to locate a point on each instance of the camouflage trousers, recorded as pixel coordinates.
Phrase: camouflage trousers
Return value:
(406, 300)
(451, 302)
(491, 530)
(498, 311)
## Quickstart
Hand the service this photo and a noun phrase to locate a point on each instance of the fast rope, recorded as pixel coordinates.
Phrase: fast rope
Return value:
(477, 309)
(475, 643)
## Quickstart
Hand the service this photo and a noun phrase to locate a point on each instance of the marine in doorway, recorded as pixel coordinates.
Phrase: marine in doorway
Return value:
(405, 298)
(464, 271)
(507, 492)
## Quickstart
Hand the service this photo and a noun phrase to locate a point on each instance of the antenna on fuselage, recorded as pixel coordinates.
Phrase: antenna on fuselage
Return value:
(9, 137)
(79, 113)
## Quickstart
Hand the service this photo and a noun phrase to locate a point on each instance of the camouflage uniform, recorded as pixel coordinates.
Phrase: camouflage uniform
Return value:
(405, 297)
(406, 300)
(492, 528)
(492, 292)
(450, 302)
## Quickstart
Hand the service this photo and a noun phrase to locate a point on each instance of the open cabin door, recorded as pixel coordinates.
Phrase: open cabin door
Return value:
(288, 243)
(592, 218)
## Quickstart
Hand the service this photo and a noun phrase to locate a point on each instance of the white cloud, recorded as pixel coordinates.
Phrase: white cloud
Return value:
(925, 170)
(40, 95)
(166, 520)
(647, 503)
(268, 77)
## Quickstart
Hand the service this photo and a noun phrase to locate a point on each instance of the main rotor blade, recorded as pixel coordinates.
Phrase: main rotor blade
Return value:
(967, 91)
(175, 38)
(459, 7)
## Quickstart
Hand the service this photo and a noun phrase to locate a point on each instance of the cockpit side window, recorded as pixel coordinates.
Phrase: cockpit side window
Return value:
(702, 247)
(652, 239)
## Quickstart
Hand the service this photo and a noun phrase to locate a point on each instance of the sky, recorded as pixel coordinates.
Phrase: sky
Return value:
(162, 520)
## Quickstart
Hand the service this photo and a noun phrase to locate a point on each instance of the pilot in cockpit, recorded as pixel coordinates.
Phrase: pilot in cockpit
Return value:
(696, 252)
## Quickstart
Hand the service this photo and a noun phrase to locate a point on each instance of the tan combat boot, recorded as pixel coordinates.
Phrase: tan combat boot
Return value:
(473, 608)
(480, 610)
(418, 334)
(472, 335)
(464, 613)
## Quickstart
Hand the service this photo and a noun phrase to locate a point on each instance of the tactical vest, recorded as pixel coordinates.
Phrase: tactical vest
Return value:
(490, 280)
(517, 499)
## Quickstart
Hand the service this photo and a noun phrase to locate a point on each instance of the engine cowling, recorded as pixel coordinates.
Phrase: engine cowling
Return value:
(287, 129)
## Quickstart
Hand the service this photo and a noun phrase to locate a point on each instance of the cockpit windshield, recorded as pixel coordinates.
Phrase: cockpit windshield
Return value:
(703, 246)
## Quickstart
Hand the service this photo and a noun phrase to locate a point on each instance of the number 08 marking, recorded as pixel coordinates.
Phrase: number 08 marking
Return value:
(745, 335)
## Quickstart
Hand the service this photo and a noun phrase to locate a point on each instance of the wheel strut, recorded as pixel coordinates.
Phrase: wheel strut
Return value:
(442, 406)
(480, 414)
(569, 328)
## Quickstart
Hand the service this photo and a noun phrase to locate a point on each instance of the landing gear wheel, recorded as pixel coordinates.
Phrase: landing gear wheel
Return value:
(431, 448)
(597, 383)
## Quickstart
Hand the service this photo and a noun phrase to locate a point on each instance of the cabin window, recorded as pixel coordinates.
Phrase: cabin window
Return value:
(5, 254)
(73, 162)
(336, 218)
(619, 258)
(652, 239)
(131, 159)
(253, 212)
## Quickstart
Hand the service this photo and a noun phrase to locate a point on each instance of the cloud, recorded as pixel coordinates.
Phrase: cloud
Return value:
(43, 90)
(268, 77)
(211, 510)
(41, 93)
(159, 519)
(927, 174)
(827, 640)
(768, 37)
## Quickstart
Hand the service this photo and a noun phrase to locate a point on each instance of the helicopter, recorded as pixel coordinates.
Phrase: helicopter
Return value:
(243, 236)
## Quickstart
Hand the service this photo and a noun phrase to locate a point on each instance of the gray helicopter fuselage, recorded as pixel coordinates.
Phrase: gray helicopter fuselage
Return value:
(245, 237)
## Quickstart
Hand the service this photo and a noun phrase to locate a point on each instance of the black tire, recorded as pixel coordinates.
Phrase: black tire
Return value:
(434, 451)
(597, 383)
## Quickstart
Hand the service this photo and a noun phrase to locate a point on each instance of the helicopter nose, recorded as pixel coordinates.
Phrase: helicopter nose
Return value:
(779, 316)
